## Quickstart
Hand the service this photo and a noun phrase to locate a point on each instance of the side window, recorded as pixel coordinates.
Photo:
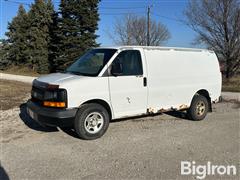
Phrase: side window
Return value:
(130, 61)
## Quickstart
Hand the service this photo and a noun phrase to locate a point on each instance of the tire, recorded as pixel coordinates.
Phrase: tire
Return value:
(199, 108)
(91, 121)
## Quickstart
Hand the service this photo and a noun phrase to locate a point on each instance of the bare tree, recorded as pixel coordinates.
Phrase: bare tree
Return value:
(132, 30)
(217, 23)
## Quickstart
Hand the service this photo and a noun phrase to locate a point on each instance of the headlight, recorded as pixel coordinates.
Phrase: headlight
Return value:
(55, 98)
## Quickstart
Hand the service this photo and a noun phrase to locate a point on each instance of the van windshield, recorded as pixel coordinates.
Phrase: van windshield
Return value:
(91, 63)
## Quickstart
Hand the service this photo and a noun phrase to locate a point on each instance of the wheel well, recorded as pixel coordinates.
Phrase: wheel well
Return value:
(205, 93)
(103, 103)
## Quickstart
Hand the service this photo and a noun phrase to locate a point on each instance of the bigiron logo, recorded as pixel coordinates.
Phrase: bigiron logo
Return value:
(201, 171)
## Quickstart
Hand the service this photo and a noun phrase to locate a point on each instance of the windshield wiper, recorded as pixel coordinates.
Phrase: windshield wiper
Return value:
(74, 72)
(79, 73)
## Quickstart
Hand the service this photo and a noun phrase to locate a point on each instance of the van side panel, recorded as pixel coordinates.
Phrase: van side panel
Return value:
(174, 76)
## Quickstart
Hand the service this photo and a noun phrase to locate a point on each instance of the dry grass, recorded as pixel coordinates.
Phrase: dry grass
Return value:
(232, 84)
(20, 70)
(13, 93)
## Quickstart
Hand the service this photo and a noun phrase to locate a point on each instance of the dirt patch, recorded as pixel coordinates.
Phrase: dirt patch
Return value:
(13, 94)
(20, 70)
(11, 125)
(15, 123)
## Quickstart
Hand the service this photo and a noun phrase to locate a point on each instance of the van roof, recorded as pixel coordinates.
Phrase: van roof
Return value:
(159, 47)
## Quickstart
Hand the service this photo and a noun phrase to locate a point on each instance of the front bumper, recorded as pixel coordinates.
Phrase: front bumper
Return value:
(51, 116)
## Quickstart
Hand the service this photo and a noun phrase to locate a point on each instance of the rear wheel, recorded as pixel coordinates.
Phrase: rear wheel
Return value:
(199, 108)
(92, 121)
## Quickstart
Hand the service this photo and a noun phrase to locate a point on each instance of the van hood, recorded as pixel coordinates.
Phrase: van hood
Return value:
(58, 78)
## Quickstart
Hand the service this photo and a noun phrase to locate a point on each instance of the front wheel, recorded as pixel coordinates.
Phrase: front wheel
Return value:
(91, 121)
(199, 108)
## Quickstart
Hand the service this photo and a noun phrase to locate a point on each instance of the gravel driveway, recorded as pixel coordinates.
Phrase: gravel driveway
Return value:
(140, 148)
(137, 148)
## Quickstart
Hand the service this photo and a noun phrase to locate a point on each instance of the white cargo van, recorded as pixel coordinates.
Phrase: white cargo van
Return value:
(117, 82)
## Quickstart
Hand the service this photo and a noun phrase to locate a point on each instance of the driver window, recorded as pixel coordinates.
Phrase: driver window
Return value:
(131, 62)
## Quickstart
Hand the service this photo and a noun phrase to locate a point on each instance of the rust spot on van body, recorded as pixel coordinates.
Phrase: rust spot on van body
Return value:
(162, 110)
(150, 110)
(155, 110)
(183, 106)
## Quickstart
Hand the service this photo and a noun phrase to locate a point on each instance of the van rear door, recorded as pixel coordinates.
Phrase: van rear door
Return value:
(128, 89)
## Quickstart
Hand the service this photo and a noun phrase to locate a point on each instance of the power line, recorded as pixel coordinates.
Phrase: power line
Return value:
(138, 7)
(101, 13)
(122, 13)
(17, 2)
(122, 8)
(112, 13)
(169, 18)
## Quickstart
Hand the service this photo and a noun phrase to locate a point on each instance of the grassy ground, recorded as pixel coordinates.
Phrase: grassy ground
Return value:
(13, 93)
(232, 84)
(25, 71)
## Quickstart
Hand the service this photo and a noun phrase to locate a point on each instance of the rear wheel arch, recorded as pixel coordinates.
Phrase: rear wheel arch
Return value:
(205, 93)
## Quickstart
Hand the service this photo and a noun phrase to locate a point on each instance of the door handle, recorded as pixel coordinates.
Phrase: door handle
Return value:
(144, 81)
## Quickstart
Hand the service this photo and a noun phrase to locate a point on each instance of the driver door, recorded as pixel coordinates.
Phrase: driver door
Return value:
(128, 91)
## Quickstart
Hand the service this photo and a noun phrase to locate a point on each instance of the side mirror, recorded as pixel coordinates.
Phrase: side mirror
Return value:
(116, 69)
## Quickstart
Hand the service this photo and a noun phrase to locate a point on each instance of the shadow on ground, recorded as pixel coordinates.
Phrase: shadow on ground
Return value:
(28, 121)
(178, 114)
(3, 174)
(70, 131)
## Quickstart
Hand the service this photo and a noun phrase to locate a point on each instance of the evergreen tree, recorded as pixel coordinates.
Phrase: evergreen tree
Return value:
(4, 49)
(54, 41)
(18, 38)
(77, 24)
(40, 16)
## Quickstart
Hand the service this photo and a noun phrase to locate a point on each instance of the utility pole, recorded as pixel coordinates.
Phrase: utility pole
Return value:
(148, 26)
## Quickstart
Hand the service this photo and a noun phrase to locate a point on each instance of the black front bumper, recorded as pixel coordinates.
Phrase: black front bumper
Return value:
(51, 116)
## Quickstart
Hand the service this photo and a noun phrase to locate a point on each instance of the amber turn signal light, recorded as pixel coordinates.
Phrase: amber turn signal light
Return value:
(54, 104)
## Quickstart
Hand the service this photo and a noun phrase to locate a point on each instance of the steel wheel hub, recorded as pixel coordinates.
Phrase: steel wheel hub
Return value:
(93, 122)
(200, 108)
